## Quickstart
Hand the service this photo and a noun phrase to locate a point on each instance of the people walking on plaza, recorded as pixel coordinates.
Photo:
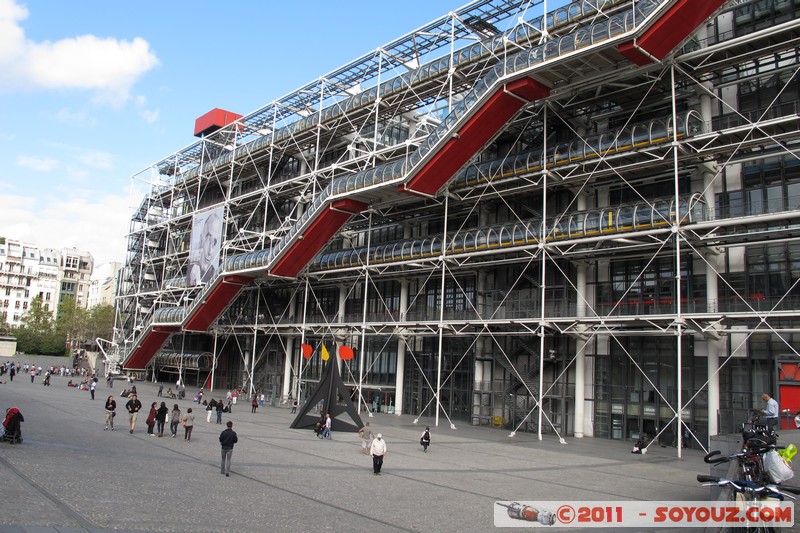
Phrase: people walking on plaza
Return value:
(425, 439)
(262, 400)
(188, 424)
(33, 374)
(174, 420)
(366, 438)
(254, 404)
(151, 419)
(235, 395)
(326, 430)
(110, 382)
(133, 406)
(161, 418)
(198, 398)
(12, 372)
(110, 409)
(294, 407)
(319, 427)
(377, 451)
(160, 390)
(227, 439)
(219, 407)
(92, 386)
(210, 409)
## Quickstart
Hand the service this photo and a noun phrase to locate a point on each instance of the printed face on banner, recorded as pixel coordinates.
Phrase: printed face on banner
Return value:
(205, 246)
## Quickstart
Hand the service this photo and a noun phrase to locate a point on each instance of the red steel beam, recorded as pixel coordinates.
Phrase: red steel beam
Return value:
(481, 127)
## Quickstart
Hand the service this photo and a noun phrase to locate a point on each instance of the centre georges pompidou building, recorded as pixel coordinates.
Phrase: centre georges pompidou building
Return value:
(581, 221)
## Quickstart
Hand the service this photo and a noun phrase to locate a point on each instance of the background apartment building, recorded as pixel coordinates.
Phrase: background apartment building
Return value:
(27, 271)
(103, 287)
(581, 222)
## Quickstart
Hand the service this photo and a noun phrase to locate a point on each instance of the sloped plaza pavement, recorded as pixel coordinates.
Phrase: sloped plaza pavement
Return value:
(70, 475)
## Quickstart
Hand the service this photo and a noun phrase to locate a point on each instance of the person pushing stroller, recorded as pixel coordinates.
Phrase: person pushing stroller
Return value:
(12, 431)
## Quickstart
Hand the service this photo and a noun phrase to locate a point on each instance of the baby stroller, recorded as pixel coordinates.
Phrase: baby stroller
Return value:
(12, 432)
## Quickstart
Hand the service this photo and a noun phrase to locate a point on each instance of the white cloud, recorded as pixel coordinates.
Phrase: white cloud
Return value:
(96, 159)
(108, 66)
(75, 118)
(39, 164)
(150, 116)
(78, 174)
(94, 222)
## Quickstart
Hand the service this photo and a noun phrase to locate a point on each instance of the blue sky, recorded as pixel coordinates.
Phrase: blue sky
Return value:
(92, 92)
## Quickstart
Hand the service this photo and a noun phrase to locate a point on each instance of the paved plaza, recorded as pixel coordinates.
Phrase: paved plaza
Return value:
(70, 475)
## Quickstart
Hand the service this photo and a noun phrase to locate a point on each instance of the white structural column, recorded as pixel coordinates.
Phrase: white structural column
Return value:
(714, 343)
(213, 364)
(287, 360)
(401, 352)
(340, 315)
(400, 366)
(580, 356)
(580, 343)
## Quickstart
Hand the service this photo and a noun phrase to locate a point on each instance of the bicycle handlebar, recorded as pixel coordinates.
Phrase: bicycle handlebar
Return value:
(708, 458)
(790, 488)
(711, 458)
(750, 487)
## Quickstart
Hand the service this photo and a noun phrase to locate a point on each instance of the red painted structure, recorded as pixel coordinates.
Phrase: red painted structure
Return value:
(319, 232)
(789, 393)
(213, 120)
(481, 127)
(681, 19)
(152, 340)
(215, 299)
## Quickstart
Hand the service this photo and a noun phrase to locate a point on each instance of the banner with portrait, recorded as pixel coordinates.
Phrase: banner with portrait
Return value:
(206, 243)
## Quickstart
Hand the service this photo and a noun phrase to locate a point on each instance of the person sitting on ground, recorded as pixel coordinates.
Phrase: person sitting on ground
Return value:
(637, 448)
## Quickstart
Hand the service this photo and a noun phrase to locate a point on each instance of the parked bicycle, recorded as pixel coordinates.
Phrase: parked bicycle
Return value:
(750, 495)
(756, 432)
(752, 484)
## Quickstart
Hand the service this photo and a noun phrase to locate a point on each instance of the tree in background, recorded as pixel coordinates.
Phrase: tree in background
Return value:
(71, 322)
(101, 322)
(73, 327)
(37, 333)
(5, 327)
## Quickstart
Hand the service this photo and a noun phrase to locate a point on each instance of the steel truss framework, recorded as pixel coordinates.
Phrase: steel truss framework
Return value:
(622, 209)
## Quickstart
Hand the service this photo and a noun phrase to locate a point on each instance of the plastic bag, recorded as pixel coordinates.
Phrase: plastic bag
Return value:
(776, 467)
(788, 453)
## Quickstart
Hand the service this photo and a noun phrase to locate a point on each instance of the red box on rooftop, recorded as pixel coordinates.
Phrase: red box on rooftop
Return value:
(214, 120)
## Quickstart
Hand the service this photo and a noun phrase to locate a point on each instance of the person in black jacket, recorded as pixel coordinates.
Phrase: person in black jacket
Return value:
(161, 418)
(227, 439)
(425, 439)
(133, 406)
